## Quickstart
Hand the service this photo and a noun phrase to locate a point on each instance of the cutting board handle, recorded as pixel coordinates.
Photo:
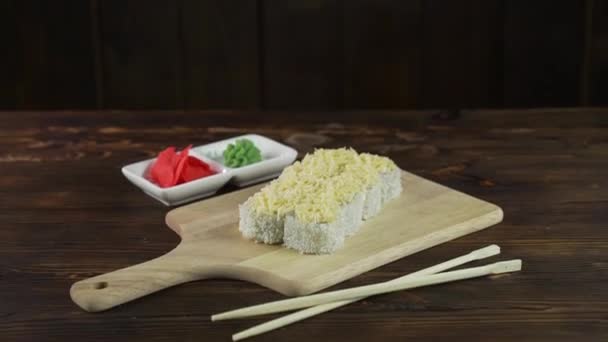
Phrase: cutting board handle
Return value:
(111, 289)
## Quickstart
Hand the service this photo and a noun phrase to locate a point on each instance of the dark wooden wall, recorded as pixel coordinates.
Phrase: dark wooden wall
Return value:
(302, 54)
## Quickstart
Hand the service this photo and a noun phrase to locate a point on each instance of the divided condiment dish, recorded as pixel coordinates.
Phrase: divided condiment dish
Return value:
(275, 157)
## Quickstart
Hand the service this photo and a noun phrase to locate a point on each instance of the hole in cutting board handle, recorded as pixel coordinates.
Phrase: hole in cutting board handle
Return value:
(100, 285)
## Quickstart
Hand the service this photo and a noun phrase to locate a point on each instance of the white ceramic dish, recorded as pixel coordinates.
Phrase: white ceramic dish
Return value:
(275, 157)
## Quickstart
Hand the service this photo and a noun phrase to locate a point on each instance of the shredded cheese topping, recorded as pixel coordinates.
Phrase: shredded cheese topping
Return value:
(315, 188)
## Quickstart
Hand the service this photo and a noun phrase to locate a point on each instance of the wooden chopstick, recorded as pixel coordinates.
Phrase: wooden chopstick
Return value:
(280, 322)
(370, 290)
(306, 301)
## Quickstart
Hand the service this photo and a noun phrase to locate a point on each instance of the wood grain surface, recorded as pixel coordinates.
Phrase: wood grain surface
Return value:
(302, 54)
(66, 214)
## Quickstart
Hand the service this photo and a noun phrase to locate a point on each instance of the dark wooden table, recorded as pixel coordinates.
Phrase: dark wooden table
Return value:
(66, 213)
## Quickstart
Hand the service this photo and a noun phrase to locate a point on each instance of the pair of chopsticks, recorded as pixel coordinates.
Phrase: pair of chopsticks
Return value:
(323, 302)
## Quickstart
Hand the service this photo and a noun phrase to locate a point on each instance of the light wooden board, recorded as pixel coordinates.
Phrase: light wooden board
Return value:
(425, 215)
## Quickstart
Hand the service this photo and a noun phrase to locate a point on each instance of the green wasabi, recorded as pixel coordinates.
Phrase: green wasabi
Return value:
(242, 152)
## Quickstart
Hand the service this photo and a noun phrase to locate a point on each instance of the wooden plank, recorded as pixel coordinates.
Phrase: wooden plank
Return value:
(9, 60)
(220, 54)
(302, 54)
(96, 43)
(213, 247)
(382, 53)
(598, 75)
(142, 56)
(462, 54)
(545, 171)
(57, 56)
(543, 52)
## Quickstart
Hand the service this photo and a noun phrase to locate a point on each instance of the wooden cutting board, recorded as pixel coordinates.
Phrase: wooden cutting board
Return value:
(425, 215)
